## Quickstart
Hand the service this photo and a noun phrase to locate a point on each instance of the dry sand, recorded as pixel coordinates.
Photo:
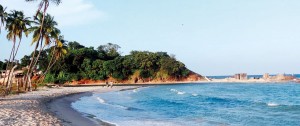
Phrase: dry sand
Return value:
(48, 107)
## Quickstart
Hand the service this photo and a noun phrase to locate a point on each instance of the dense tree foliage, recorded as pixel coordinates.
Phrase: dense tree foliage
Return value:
(2, 65)
(25, 61)
(105, 62)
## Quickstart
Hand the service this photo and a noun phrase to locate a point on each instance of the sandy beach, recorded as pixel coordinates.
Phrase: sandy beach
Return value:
(52, 106)
(49, 106)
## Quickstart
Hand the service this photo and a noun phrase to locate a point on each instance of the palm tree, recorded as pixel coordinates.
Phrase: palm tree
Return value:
(3, 15)
(49, 33)
(44, 4)
(16, 25)
(59, 50)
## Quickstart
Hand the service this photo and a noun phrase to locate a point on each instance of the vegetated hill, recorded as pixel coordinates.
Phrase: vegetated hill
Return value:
(105, 64)
(191, 77)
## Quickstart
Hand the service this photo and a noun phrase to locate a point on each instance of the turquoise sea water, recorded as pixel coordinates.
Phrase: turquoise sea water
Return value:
(198, 104)
(251, 76)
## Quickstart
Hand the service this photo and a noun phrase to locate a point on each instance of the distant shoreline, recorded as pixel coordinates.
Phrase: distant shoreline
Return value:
(135, 84)
(185, 82)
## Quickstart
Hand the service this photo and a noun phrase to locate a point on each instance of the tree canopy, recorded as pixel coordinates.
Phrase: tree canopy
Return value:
(80, 62)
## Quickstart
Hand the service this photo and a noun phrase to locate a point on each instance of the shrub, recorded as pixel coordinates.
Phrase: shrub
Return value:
(145, 74)
(49, 78)
(61, 78)
(73, 77)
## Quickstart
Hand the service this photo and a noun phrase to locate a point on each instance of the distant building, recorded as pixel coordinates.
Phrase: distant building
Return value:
(241, 76)
(3, 73)
(266, 76)
(17, 73)
(280, 77)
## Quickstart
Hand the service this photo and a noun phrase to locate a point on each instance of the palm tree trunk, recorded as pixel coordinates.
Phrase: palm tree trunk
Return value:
(36, 60)
(39, 8)
(29, 86)
(11, 63)
(39, 54)
(15, 54)
(30, 65)
(49, 65)
(51, 60)
(43, 75)
(7, 66)
(17, 49)
(8, 88)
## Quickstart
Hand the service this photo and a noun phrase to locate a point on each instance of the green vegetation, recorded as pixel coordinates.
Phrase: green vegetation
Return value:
(82, 62)
(2, 65)
(54, 60)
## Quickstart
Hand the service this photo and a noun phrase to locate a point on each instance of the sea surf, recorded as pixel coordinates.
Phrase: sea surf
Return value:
(197, 104)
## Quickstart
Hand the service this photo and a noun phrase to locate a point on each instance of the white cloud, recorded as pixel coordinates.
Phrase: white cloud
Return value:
(27, 8)
(69, 13)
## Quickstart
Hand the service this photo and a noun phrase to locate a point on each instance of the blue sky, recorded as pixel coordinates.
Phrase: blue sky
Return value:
(212, 37)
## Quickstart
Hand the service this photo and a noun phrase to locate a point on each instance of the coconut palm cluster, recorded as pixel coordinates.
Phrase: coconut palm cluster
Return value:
(45, 35)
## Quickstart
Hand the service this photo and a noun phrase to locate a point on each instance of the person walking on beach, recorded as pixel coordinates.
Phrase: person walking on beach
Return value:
(106, 84)
(111, 84)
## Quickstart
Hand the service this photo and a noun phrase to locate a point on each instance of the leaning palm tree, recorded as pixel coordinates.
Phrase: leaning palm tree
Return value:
(44, 4)
(49, 32)
(58, 50)
(16, 25)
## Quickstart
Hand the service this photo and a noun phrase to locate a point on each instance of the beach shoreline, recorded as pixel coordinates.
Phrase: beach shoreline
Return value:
(226, 80)
(52, 106)
(49, 106)
(61, 108)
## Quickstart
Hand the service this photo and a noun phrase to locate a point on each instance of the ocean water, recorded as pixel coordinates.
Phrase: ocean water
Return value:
(198, 104)
(223, 77)
(251, 76)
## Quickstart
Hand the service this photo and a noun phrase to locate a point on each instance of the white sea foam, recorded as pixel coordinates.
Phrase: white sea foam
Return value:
(134, 90)
(147, 123)
(174, 90)
(120, 106)
(194, 94)
(272, 104)
(109, 122)
(102, 101)
(180, 93)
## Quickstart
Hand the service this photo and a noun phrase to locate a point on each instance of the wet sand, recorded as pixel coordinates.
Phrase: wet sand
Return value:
(49, 106)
